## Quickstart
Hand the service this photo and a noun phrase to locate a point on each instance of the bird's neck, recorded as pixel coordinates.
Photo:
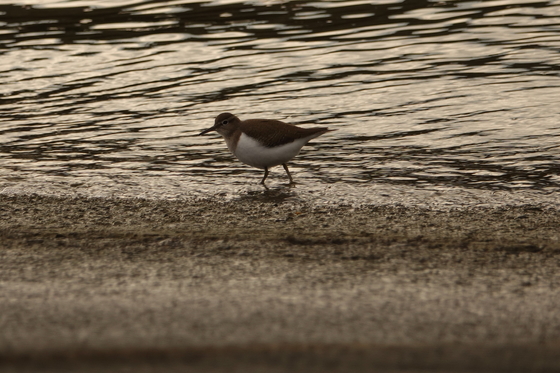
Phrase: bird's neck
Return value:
(232, 138)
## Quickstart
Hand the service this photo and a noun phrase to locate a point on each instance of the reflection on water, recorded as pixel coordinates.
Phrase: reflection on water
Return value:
(429, 94)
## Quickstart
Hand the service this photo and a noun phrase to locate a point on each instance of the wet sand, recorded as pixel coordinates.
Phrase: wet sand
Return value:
(267, 284)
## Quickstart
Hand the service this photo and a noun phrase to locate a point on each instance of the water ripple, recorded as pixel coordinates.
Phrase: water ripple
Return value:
(422, 93)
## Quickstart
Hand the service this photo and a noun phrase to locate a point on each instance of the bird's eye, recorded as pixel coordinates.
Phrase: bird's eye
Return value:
(224, 122)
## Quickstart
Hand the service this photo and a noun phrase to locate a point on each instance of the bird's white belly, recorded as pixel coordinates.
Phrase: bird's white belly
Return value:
(251, 152)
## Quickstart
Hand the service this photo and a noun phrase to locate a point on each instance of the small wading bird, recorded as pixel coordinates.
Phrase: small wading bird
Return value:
(263, 143)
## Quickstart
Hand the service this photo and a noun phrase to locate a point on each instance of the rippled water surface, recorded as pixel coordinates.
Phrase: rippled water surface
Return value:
(425, 95)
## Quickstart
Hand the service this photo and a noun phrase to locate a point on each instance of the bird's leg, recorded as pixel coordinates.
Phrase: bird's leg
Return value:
(288, 172)
(265, 176)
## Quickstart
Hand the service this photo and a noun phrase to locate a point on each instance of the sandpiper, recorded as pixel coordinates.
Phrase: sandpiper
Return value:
(263, 143)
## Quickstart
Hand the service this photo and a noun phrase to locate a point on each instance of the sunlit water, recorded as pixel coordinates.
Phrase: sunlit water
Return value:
(427, 97)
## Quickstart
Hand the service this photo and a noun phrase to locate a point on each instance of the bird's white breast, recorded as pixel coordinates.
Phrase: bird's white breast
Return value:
(251, 152)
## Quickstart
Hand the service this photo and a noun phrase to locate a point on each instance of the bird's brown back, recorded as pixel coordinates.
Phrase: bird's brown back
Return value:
(273, 133)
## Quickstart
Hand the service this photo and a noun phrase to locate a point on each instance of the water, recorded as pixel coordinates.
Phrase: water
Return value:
(428, 97)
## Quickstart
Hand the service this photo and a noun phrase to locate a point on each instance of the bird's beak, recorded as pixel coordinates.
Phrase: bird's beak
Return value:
(213, 128)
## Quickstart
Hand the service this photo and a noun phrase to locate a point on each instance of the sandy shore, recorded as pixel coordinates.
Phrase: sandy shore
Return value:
(91, 284)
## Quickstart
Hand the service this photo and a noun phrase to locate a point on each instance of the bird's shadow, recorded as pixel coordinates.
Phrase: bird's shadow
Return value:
(277, 194)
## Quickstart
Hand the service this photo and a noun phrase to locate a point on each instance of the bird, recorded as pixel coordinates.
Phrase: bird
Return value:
(263, 143)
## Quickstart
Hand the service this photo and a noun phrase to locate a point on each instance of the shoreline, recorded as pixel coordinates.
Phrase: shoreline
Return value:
(84, 278)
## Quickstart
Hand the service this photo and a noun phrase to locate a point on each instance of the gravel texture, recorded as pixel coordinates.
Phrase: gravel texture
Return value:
(265, 284)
